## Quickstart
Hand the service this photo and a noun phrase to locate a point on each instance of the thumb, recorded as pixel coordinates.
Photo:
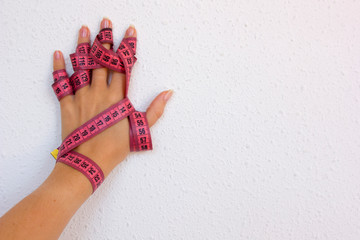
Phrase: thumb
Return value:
(156, 108)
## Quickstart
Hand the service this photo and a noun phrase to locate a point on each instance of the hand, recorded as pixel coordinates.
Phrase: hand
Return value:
(110, 147)
(45, 212)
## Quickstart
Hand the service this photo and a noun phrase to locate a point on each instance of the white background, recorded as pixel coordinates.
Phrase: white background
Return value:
(260, 140)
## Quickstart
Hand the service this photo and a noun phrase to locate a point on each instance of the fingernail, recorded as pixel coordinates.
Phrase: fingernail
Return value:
(168, 95)
(105, 23)
(57, 55)
(83, 31)
(130, 31)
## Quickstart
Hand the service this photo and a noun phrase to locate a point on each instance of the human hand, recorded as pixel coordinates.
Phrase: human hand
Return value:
(45, 212)
(111, 146)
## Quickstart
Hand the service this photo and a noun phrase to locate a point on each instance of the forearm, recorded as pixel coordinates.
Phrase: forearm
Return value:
(45, 212)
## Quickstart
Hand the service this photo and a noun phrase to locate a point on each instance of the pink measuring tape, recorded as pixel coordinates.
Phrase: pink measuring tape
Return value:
(83, 60)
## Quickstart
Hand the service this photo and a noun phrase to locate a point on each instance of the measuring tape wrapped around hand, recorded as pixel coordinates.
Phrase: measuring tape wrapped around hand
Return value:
(83, 60)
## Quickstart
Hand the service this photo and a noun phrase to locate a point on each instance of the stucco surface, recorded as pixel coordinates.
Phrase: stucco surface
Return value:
(260, 140)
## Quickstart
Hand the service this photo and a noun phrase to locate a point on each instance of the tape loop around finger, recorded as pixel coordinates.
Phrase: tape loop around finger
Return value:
(80, 79)
(106, 58)
(126, 52)
(62, 85)
(106, 36)
(81, 60)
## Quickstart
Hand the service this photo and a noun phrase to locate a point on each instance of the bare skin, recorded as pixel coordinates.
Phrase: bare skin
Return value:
(45, 212)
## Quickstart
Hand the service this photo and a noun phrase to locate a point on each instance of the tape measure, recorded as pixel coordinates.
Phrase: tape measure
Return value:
(83, 60)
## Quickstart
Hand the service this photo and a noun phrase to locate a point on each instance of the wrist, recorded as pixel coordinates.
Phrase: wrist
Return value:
(69, 181)
(109, 156)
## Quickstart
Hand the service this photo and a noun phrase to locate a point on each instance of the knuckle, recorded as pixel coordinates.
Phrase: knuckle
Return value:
(67, 109)
(81, 99)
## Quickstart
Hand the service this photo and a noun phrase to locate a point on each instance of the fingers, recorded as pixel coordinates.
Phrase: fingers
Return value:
(156, 108)
(99, 75)
(130, 32)
(84, 37)
(118, 83)
(59, 63)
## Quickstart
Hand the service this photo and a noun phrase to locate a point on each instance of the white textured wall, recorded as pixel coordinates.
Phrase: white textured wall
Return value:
(260, 140)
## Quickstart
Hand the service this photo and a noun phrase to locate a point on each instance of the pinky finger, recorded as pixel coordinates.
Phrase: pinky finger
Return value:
(156, 108)
(59, 62)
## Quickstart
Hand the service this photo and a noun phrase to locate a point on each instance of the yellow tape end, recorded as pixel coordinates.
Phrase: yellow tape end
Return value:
(55, 153)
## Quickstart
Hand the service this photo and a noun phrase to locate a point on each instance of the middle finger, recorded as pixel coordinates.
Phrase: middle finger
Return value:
(99, 76)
